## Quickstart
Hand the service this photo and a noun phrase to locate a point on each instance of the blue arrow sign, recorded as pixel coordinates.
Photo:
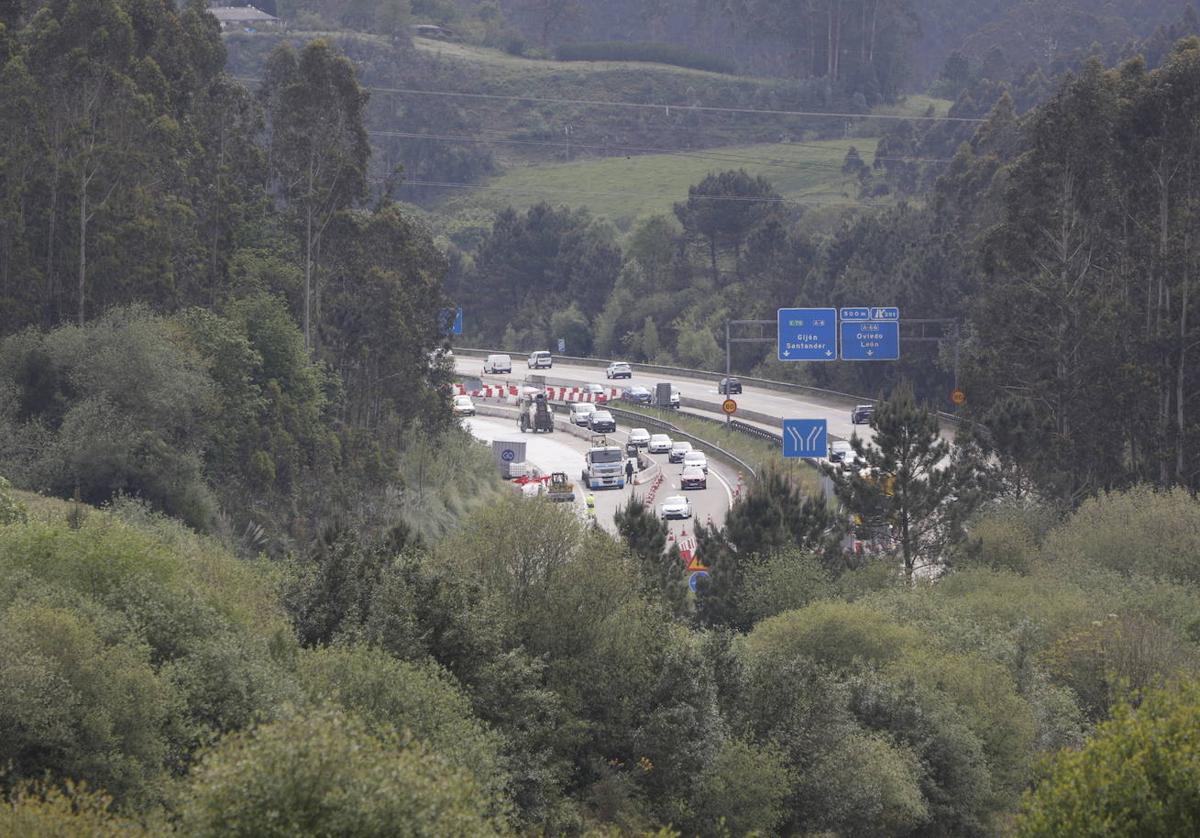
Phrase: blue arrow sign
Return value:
(807, 334)
(805, 437)
(695, 578)
(871, 340)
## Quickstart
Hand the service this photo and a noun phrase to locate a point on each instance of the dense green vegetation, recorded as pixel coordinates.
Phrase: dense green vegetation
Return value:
(462, 677)
(257, 582)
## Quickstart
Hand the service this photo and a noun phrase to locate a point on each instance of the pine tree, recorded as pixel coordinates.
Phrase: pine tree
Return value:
(773, 515)
(662, 571)
(914, 492)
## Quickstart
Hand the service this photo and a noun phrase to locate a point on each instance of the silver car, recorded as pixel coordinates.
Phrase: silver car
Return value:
(659, 444)
(678, 449)
(676, 506)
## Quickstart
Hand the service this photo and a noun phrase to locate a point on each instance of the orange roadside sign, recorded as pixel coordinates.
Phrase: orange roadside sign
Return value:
(958, 397)
(729, 406)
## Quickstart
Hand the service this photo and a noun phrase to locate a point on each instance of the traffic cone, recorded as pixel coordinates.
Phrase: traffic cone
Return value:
(670, 536)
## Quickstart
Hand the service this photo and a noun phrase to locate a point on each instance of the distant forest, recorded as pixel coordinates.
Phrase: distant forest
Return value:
(856, 40)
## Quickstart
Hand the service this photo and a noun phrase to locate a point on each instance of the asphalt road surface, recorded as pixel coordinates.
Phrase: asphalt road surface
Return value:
(561, 451)
(770, 402)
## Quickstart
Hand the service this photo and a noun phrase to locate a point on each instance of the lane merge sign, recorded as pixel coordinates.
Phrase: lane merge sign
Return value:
(807, 334)
(805, 437)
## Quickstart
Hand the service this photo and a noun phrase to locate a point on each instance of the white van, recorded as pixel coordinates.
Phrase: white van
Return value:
(497, 365)
(540, 360)
(581, 411)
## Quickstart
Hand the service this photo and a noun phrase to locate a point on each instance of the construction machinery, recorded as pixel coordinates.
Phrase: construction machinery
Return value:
(535, 414)
(558, 488)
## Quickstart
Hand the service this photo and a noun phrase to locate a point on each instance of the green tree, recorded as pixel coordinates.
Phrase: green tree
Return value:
(771, 519)
(421, 700)
(379, 318)
(721, 211)
(323, 772)
(1139, 774)
(662, 571)
(912, 492)
(318, 147)
(48, 812)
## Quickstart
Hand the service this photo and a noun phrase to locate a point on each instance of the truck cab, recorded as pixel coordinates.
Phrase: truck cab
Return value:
(604, 465)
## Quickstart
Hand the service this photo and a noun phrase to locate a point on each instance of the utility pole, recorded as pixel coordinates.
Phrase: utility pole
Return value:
(730, 340)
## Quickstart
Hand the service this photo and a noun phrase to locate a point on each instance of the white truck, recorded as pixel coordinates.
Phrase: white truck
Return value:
(604, 465)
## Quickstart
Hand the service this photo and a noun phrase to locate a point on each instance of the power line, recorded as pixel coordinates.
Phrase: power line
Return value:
(699, 154)
(412, 91)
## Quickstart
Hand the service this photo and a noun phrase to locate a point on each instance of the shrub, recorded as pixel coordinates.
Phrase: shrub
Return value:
(1139, 775)
(1138, 532)
(12, 511)
(324, 772)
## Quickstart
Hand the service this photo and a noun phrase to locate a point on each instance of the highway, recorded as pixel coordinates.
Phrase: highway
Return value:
(773, 403)
(564, 452)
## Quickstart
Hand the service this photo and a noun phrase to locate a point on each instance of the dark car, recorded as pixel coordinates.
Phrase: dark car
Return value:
(602, 422)
(730, 387)
(637, 395)
(862, 414)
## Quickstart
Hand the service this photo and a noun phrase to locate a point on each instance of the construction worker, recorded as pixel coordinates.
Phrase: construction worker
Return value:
(590, 502)
(629, 471)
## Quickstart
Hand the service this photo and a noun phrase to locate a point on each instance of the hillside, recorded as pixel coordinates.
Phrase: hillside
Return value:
(486, 111)
(625, 188)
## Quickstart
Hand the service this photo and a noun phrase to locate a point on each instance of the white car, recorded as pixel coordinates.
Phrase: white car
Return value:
(597, 391)
(540, 360)
(676, 506)
(639, 437)
(659, 444)
(695, 459)
(463, 406)
(678, 449)
(693, 477)
(581, 412)
(841, 451)
(618, 369)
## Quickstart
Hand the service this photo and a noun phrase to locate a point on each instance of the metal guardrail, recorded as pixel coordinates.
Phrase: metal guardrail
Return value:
(663, 424)
(848, 399)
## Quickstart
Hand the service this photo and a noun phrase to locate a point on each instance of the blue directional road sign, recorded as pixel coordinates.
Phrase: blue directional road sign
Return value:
(451, 320)
(807, 334)
(805, 437)
(870, 340)
(694, 579)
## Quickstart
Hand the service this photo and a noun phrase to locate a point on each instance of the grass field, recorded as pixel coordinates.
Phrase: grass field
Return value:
(623, 189)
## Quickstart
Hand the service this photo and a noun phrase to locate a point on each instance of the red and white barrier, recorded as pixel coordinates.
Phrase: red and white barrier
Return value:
(557, 394)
